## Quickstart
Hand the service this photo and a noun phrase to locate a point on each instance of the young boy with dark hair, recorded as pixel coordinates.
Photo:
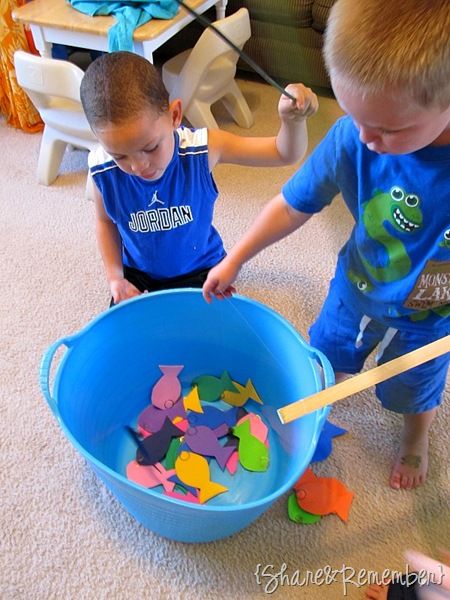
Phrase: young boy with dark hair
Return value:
(153, 187)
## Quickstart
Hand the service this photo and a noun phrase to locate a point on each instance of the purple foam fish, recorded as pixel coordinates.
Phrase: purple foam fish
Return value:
(152, 419)
(153, 448)
(213, 417)
(203, 440)
(167, 389)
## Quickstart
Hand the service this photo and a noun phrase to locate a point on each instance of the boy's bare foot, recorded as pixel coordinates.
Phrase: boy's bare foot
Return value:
(411, 465)
(376, 592)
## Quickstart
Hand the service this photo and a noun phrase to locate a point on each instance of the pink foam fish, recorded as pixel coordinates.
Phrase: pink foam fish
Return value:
(150, 476)
(232, 463)
(257, 426)
(167, 389)
(193, 470)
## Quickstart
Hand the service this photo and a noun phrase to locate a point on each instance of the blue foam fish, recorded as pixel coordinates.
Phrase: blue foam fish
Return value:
(213, 417)
(325, 445)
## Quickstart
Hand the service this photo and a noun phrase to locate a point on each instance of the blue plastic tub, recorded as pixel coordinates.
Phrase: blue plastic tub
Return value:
(103, 381)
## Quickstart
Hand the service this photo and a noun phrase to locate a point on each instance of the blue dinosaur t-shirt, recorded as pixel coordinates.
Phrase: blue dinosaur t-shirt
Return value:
(165, 224)
(396, 264)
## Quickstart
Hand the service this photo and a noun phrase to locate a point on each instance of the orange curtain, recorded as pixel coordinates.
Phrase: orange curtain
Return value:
(14, 103)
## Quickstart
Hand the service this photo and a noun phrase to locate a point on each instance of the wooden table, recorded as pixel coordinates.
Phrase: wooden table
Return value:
(56, 22)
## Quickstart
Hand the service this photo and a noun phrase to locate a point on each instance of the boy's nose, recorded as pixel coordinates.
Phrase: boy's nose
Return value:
(139, 164)
(367, 134)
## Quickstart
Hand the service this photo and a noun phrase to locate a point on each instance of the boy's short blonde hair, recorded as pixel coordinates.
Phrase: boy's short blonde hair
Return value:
(119, 86)
(398, 45)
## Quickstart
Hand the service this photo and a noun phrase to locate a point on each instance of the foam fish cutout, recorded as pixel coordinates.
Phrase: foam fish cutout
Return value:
(167, 389)
(150, 476)
(210, 388)
(192, 401)
(154, 447)
(203, 440)
(253, 454)
(193, 470)
(325, 445)
(257, 426)
(213, 417)
(172, 453)
(244, 393)
(297, 514)
(151, 419)
(233, 461)
(189, 489)
(323, 495)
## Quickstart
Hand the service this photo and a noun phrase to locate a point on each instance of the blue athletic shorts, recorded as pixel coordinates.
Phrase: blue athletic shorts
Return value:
(335, 332)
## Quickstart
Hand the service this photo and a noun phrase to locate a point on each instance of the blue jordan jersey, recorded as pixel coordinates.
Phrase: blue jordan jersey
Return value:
(165, 224)
(396, 264)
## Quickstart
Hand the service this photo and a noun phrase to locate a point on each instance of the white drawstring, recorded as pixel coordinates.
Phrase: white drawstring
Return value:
(387, 338)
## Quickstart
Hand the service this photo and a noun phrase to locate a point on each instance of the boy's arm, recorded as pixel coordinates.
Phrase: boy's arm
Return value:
(109, 243)
(287, 147)
(277, 220)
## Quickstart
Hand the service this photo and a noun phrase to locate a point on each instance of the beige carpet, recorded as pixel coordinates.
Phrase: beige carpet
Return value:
(63, 535)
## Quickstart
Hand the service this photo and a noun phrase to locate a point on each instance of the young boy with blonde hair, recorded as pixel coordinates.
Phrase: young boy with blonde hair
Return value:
(153, 188)
(389, 64)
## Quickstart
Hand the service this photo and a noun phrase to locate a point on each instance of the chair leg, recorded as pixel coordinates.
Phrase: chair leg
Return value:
(50, 157)
(237, 106)
(199, 115)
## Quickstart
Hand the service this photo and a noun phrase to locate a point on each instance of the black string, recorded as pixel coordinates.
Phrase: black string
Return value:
(245, 57)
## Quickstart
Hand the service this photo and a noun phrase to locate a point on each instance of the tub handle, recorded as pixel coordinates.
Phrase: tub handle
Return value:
(328, 380)
(327, 369)
(44, 370)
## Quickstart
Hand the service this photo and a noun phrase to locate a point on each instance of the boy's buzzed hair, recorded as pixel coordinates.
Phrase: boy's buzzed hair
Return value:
(373, 45)
(120, 85)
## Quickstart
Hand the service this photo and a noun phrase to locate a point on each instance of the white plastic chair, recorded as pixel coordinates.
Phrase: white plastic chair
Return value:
(53, 86)
(205, 74)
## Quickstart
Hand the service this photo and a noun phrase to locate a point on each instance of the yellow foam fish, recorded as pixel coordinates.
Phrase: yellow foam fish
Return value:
(244, 393)
(192, 401)
(193, 470)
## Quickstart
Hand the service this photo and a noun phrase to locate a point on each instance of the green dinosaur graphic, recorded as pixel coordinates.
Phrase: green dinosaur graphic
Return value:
(361, 283)
(446, 241)
(401, 211)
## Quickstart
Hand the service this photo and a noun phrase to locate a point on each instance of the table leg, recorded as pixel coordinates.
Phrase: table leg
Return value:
(43, 47)
(220, 9)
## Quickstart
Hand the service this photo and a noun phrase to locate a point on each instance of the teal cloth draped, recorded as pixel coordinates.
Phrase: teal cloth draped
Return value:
(129, 16)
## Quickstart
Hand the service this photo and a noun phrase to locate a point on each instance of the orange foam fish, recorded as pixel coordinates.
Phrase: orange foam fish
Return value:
(323, 495)
(193, 470)
(244, 393)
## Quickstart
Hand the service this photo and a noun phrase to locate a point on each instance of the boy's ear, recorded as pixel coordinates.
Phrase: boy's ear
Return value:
(176, 112)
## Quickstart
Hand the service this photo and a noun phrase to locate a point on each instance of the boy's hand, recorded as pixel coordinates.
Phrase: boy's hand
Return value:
(122, 289)
(305, 105)
(219, 280)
